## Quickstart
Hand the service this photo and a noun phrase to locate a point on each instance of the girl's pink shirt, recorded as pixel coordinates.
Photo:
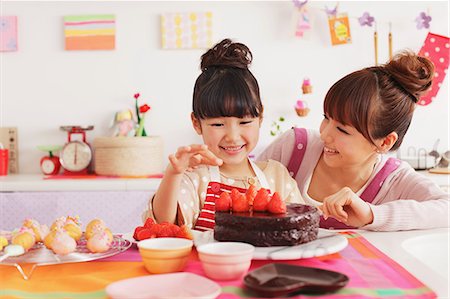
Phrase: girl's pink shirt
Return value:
(407, 200)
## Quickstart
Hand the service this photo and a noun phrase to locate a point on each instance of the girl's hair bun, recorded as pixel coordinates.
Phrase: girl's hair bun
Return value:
(227, 54)
(412, 72)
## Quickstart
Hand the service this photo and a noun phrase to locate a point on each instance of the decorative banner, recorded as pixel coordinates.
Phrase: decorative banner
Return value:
(92, 32)
(437, 49)
(8, 33)
(186, 30)
(339, 29)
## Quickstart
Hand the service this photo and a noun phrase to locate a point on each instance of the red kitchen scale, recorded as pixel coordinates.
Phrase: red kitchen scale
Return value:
(76, 155)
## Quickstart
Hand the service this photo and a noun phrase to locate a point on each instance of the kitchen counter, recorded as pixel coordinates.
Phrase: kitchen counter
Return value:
(36, 182)
(424, 253)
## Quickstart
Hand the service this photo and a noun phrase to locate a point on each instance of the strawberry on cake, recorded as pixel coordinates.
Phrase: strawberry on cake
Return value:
(263, 220)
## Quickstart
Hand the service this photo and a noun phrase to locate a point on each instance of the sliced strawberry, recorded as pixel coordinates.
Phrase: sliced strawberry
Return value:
(145, 233)
(261, 200)
(251, 193)
(223, 203)
(276, 204)
(165, 230)
(240, 204)
(136, 230)
(184, 232)
(149, 222)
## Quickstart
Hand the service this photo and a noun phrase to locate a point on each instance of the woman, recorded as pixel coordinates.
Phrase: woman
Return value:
(343, 169)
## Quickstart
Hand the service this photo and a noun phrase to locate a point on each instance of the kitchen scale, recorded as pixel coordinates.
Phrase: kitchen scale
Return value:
(76, 155)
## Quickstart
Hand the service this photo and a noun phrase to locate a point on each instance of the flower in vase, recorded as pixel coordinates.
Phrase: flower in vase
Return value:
(140, 111)
(141, 116)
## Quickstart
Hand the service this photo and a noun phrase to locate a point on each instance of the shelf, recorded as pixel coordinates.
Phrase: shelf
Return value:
(36, 182)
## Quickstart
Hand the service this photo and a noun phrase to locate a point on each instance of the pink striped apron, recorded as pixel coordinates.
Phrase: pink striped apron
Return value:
(205, 220)
(372, 189)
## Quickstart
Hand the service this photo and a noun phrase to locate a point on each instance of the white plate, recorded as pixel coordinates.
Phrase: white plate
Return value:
(174, 285)
(326, 243)
(40, 255)
(129, 237)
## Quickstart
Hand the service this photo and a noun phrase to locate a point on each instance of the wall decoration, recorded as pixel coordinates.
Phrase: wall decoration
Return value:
(437, 49)
(303, 22)
(8, 33)
(423, 21)
(339, 29)
(186, 30)
(90, 32)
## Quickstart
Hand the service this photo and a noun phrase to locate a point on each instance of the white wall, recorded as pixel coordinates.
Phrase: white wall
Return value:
(43, 86)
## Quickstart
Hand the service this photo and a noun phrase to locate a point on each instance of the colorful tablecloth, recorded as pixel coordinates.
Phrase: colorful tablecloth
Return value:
(372, 275)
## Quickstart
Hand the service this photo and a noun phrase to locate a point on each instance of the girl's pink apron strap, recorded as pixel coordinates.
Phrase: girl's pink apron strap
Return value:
(301, 140)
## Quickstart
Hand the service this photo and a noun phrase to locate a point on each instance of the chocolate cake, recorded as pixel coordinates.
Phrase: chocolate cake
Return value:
(300, 224)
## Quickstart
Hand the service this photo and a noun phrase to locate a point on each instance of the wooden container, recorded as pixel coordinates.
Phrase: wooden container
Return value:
(128, 156)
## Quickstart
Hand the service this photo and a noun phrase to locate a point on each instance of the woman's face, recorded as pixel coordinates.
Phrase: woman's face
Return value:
(344, 146)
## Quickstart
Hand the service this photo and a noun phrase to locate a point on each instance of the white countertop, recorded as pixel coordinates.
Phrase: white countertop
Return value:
(36, 182)
(390, 243)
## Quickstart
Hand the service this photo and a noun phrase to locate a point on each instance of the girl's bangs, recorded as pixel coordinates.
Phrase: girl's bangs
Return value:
(228, 98)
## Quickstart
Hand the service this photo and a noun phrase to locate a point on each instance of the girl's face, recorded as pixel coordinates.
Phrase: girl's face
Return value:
(229, 138)
(344, 146)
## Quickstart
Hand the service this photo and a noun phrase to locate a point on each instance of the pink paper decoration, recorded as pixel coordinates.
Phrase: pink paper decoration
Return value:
(8, 33)
(437, 49)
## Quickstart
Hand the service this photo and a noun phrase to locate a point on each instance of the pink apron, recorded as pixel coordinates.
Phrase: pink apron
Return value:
(372, 189)
(205, 220)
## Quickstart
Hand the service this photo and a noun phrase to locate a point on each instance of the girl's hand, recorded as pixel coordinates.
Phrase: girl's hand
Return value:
(190, 157)
(347, 207)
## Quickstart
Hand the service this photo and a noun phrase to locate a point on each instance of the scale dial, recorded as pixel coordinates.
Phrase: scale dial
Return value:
(76, 156)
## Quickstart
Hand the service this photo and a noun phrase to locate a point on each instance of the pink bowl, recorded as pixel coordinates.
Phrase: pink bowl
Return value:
(225, 260)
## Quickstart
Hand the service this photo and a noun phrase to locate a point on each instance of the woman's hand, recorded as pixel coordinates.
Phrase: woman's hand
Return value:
(190, 157)
(347, 207)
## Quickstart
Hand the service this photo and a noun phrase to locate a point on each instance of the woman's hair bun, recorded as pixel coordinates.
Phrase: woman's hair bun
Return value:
(412, 72)
(227, 54)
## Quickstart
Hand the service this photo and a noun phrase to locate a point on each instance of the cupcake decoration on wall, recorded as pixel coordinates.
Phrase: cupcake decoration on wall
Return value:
(301, 107)
(306, 86)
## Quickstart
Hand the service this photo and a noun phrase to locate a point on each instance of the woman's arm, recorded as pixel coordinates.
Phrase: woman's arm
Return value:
(408, 200)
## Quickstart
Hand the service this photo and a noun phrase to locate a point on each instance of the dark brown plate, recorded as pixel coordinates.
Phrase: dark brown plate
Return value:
(276, 279)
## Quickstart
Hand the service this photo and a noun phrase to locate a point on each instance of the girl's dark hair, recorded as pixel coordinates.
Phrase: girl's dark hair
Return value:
(226, 87)
(380, 100)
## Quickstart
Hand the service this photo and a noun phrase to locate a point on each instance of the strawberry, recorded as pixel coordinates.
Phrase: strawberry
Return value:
(165, 230)
(145, 233)
(240, 204)
(250, 194)
(261, 200)
(235, 194)
(149, 222)
(276, 204)
(184, 232)
(223, 203)
(136, 231)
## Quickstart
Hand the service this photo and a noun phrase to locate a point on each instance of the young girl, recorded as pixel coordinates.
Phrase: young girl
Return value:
(227, 113)
(343, 171)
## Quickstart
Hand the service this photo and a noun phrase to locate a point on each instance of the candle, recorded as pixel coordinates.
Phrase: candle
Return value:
(390, 41)
(375, 42)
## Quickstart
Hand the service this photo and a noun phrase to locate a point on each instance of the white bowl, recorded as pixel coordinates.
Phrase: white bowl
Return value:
(225, 260)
